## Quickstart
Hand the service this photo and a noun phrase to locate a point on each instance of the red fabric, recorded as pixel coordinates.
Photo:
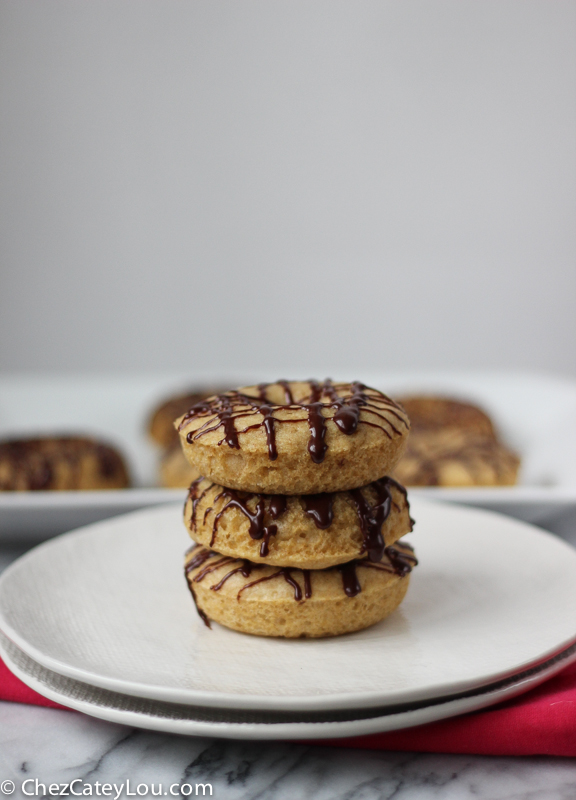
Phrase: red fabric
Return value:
(12, 689)
(540, 722)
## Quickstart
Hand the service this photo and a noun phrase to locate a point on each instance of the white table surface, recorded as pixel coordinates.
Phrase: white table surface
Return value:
(60, 746)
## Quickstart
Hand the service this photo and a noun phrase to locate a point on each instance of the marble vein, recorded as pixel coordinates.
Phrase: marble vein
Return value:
(58, 746)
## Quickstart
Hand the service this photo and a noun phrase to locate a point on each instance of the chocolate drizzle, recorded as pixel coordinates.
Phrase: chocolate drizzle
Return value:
(347, 414)
(201, 614)
(307, 584)
(268, 423)
(261, 510)
(402, 563)
(196, 561)
(319, 508)
(277, 505)
(373, 516)
(348, 400)
(245, 569)
(287, 392)
(350, 582)
(256, 516)
(399, 560)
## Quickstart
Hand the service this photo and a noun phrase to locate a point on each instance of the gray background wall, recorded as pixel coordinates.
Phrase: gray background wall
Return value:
(302, 185)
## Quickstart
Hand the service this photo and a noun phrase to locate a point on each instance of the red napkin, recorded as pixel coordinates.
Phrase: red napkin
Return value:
(12, 689)
(540, 722)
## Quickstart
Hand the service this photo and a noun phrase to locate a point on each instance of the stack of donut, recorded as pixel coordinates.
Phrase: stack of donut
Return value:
(296, 523)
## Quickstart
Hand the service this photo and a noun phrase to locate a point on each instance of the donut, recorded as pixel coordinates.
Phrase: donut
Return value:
(433, 413)
(161, 421)
(455, 458)
(268, 601)
(299, 437)
(306, 531)
(60, 463)
(453, 443)
(174, 471)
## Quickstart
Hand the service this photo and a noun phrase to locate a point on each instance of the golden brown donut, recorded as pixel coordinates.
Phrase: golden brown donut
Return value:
(306, 531)
(60, 463)
(455, 458)
(295, 437)
(433, 413)
(174, 470)
(270, 601)
(452, 443)
(161, 421)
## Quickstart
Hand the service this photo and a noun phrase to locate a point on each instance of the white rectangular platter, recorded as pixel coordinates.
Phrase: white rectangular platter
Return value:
(535, 415)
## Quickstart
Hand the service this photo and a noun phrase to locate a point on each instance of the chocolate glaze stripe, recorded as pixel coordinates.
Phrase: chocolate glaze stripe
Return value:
(287, 392)
(201, 614)
(373, 517)
(307, 583)
(268, 424)
(245, 568)
(198, 559)
(319, 507)
(196, 498)
(225, 409)
(224, 562)
(350, 582)
(285, 573)
(400, 563)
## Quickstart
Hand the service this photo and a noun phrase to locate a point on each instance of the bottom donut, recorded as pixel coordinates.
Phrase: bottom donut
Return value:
(273, 601)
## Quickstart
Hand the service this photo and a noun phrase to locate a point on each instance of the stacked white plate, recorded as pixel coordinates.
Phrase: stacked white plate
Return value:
(101, 620)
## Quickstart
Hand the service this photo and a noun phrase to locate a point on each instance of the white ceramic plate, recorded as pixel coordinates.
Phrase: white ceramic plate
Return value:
(223, 723)
(117, 408)
(108, 606)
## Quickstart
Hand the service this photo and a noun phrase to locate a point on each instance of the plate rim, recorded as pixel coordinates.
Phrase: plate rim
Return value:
(443, 708)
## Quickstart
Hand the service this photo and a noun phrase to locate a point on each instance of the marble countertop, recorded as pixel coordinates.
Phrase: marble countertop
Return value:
(64, 747)
(61, 746)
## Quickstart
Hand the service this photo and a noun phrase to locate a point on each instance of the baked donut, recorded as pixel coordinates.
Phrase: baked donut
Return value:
(174, 471)
(430, 413)
(452, 443)
(270, 601)
(455, 458)
(161, 421)
(306, 531)
(298, 437)
(60, 463)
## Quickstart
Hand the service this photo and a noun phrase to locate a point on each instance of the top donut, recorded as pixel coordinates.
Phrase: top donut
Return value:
(295, 437)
